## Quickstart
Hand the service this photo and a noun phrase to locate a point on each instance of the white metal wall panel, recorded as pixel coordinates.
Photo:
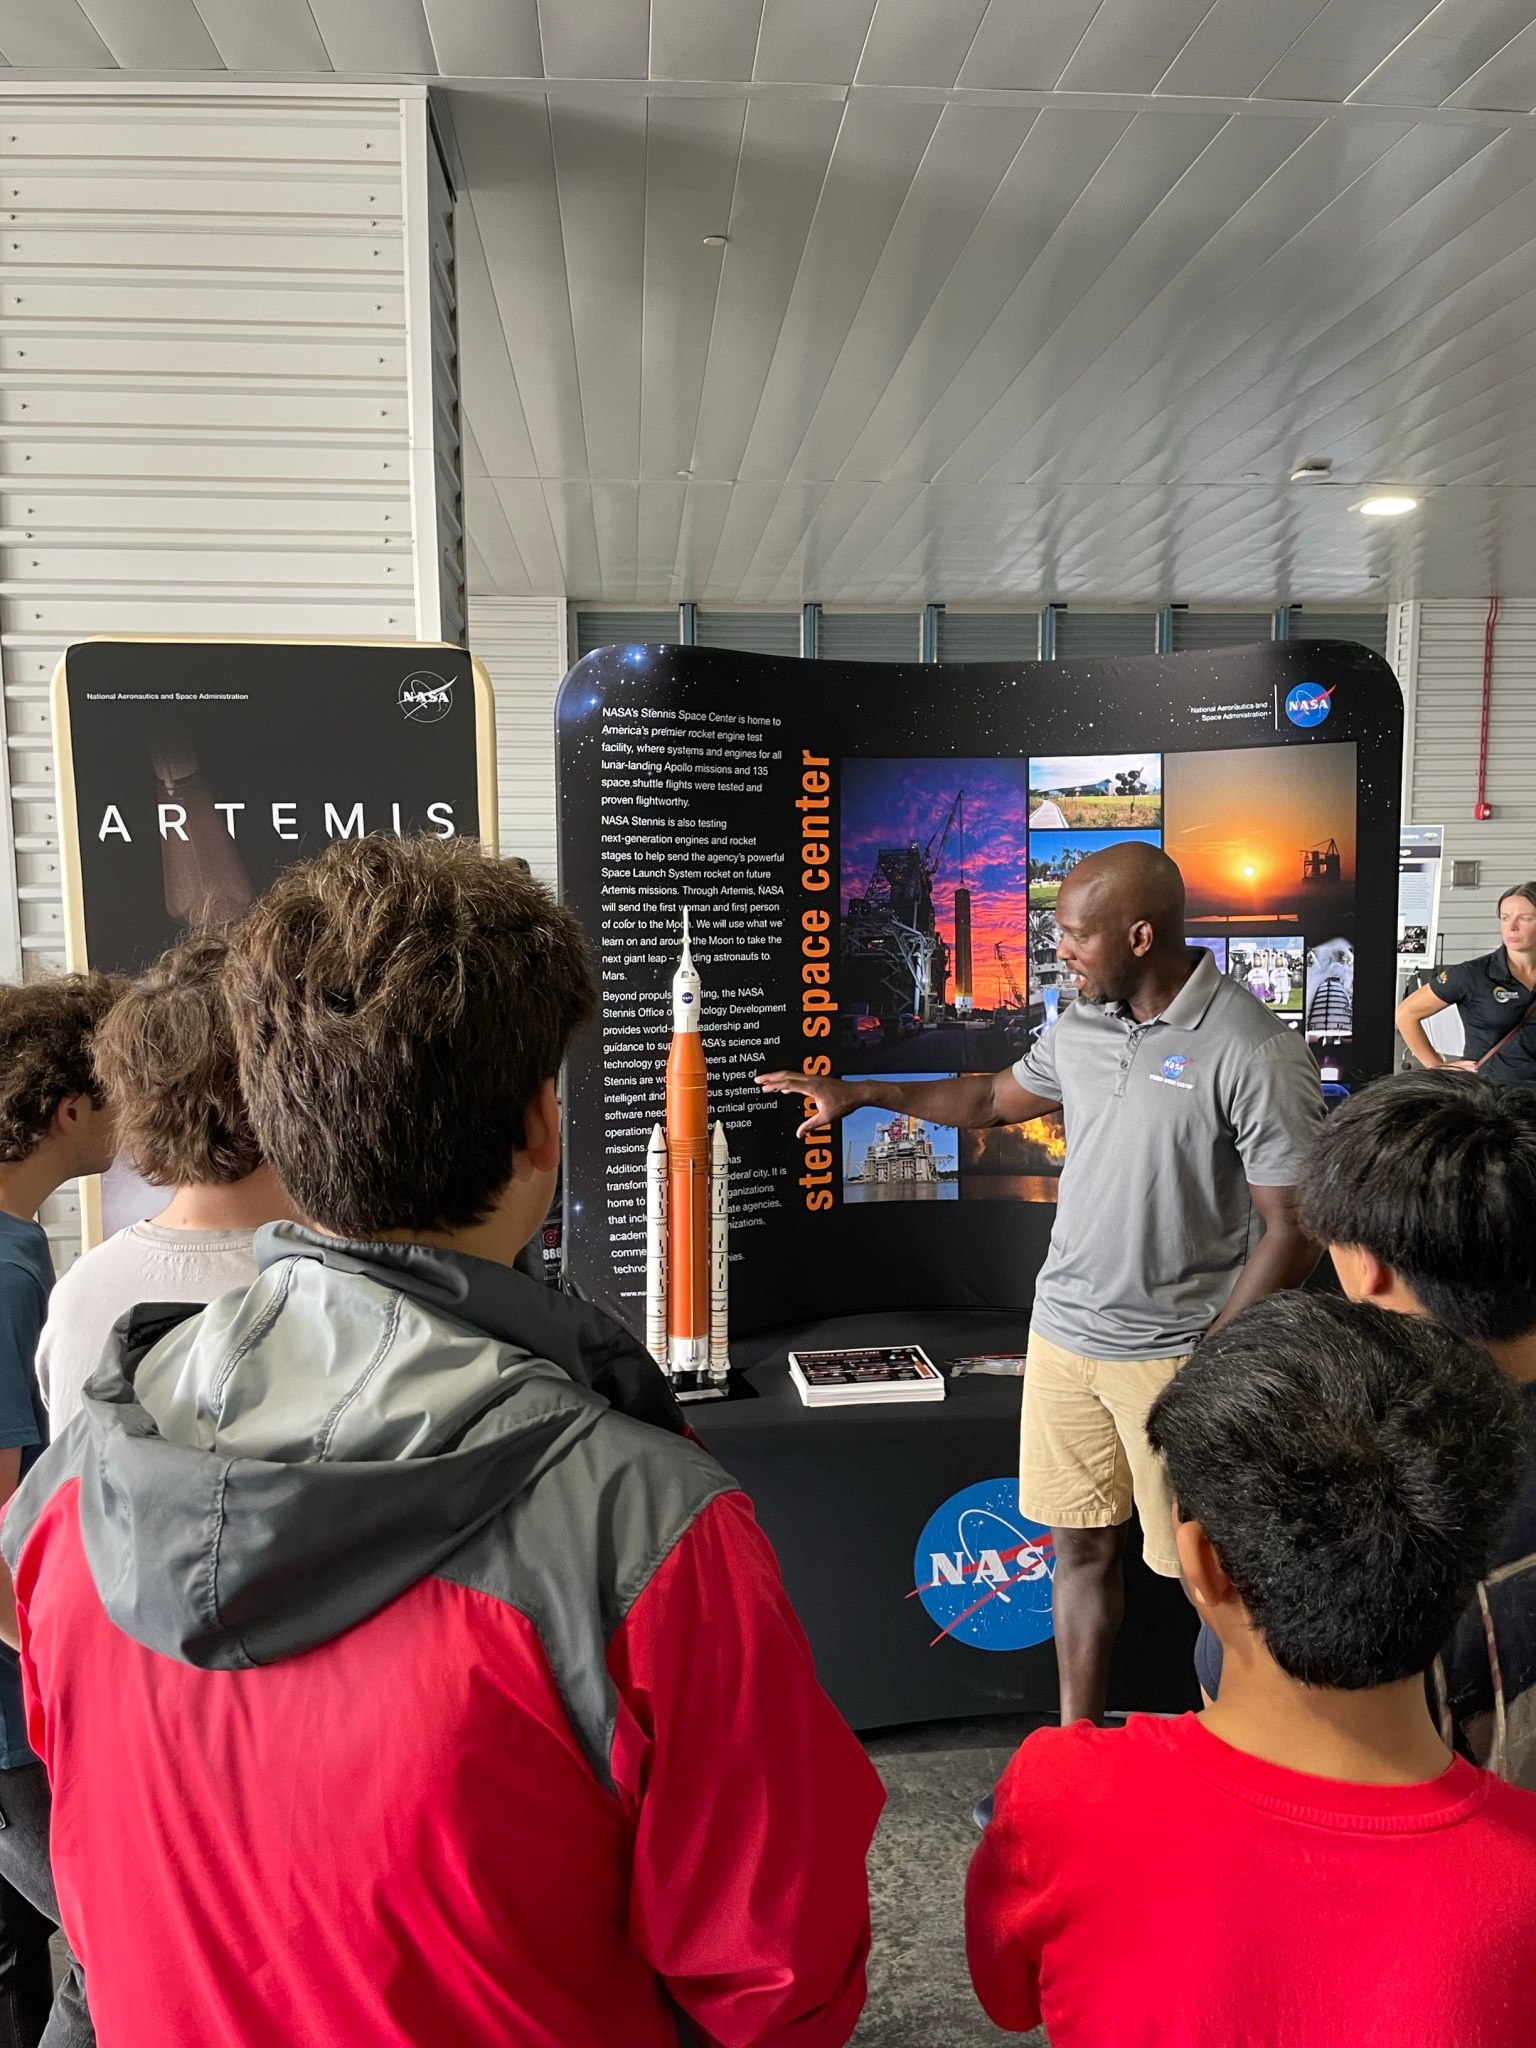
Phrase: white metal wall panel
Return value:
(445, 442)
(1447, 696)
(521, 642)
(208, 414)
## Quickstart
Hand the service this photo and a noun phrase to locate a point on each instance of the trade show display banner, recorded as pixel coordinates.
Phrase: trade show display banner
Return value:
(191, 771)
(870, 858)
(1420, 860)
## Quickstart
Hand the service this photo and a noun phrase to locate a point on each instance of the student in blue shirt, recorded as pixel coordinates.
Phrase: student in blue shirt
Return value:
(54, 1126)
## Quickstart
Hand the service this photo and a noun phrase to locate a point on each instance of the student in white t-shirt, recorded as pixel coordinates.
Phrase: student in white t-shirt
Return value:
(166, 1060)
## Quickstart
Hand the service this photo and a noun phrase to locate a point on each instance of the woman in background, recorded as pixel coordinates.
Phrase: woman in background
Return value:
(1494, 994)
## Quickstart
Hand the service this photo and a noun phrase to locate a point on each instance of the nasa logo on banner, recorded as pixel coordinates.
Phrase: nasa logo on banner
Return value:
(1307, 704)
(425, 698)
(983, 1572)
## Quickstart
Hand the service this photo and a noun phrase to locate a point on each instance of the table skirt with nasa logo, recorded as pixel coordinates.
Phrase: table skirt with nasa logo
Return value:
(925, 1594)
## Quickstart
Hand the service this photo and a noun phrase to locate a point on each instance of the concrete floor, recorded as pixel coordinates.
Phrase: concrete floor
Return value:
(920, 1994)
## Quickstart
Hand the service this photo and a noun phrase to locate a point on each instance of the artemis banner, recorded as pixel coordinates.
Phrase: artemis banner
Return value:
(191, 771)
(870, 857)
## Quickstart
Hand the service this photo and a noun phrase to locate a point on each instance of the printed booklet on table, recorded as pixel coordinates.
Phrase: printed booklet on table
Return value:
(887, 1372)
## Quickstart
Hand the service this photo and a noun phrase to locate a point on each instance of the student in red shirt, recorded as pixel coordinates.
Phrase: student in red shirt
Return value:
(1305, 1862)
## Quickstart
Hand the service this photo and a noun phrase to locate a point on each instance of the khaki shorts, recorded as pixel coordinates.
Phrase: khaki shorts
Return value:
(1084, 1459)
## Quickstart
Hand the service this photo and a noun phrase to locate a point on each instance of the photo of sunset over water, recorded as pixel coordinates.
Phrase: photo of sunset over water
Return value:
(1263, 834)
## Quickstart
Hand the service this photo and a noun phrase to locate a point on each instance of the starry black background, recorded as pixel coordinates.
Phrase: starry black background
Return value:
(940, 1254)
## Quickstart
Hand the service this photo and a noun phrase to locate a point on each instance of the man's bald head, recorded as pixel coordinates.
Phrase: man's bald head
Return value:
(1129, 884)
(1120, 915)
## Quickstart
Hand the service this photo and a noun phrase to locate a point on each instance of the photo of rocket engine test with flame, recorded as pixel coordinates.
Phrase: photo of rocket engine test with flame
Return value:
(687, 1212)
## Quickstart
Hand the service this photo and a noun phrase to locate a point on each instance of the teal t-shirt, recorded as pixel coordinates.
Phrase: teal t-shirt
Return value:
(26, 1281)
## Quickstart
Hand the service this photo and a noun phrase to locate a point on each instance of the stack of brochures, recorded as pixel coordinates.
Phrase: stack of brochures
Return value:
(886, 1372)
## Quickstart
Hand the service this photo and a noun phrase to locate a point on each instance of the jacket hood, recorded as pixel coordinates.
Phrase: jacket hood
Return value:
(261, 1476)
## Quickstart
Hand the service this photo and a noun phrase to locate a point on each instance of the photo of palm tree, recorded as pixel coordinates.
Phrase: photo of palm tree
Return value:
(1053, 856)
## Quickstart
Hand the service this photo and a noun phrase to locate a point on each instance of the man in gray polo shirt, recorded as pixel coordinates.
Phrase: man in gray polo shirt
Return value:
(1188, 1110)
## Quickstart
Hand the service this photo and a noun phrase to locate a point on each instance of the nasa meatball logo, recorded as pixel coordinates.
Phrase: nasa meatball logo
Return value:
(425, 698)
(1173, 1066)
(983, 1572)
(1306, 704)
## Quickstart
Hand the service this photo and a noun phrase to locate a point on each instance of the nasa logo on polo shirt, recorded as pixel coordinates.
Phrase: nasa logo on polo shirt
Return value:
(983, 1572)
(1171, 1073)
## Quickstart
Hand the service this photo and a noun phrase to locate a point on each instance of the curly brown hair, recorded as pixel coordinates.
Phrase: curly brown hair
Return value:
(46, 1034)
(166, 1058)
(396, 1005)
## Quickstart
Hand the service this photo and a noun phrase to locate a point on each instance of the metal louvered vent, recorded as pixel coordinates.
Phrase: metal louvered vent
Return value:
(1194, 630)
(1104, 633)
(869, 636)
(596, 629)
(989, 636)
(1369, 629)
(750, 632)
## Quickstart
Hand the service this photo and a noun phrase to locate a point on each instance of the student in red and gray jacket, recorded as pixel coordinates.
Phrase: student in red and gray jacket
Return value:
(403, 1672)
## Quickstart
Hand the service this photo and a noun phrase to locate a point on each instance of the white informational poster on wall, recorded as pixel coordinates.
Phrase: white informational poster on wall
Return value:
(1421, 850)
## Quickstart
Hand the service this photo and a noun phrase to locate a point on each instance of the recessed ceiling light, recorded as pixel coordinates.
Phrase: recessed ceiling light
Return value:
(716, 241)
(1390, 505)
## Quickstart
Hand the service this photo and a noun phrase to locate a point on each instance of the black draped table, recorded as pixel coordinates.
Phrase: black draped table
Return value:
(863, 1504)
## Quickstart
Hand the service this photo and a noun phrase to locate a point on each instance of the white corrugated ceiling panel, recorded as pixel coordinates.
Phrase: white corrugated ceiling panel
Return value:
(1293, 226)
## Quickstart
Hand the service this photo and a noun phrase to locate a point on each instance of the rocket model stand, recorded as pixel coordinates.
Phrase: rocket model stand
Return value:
(687, 1176)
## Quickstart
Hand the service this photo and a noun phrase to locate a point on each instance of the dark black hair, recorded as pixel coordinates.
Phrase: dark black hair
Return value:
(1354, 1470)
(1525, 889)
(1435, 1173)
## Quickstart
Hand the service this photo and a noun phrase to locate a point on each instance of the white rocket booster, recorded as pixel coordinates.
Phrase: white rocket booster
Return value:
(656, 1247)
(687, 1207)
(719, 1255)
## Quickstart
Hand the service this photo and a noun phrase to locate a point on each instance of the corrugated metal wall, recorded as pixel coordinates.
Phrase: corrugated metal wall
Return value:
(988, 636)
(751, 632)
(1442, 647)
(1105, 634)
(436, 435)
(208, 411)
(521, 642)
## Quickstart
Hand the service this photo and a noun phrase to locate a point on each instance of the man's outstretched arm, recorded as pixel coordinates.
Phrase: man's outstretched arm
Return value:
(969, 1102)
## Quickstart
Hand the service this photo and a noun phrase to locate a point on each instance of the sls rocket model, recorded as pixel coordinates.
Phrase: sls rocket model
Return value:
(687, 1175)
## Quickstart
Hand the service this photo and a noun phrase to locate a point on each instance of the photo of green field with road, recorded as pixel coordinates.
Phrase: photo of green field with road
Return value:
(1099, 792)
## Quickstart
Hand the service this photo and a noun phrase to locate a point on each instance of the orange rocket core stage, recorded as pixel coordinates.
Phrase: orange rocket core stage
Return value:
(688, 1188)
